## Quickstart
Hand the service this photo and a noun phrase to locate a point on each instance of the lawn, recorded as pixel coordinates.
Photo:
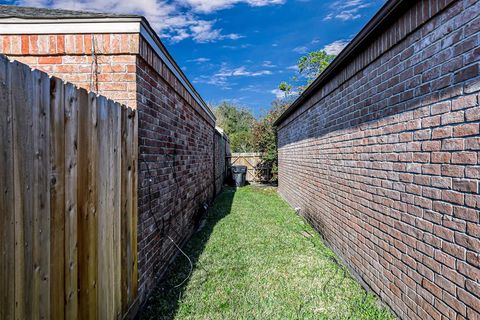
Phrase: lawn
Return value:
(256, 259)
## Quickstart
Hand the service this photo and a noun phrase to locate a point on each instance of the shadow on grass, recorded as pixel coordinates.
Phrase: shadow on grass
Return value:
(164, 301)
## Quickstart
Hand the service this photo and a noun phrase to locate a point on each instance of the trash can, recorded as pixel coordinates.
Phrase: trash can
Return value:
(239, 173)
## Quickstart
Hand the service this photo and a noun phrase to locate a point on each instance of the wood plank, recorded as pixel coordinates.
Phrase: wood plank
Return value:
(44, 199)
(86, 197)
(125, 238)
(23, 159)
(28, 185)
(128, 241)
(93, 173)
(57, 198)
(35, 191)
(134, 156)
(117, 173)
(40, 196)
(109, 248)
(129, 171)
(102, 212)
(82, 200)
(71, 264)
(7, 216)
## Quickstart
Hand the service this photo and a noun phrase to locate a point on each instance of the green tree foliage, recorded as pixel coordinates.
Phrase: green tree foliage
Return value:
(264, 135)
(285, 87)
(310, 67)
(237, 123)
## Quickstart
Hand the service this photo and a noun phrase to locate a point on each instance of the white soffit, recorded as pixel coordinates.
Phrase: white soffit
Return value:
(18, 26)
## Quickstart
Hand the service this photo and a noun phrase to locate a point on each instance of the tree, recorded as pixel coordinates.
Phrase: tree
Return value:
(237, 122)
(285, 87)
(310, 67)
(264, 135)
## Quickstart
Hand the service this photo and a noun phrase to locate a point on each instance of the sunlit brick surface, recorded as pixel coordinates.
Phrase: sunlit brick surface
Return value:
(384, 160)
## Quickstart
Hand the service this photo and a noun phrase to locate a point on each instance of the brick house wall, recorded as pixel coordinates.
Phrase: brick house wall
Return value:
(103, 63)
(176, 133)
(383, 158)
(176, 165)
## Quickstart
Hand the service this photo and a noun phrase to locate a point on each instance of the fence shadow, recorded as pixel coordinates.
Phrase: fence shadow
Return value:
(164, 301)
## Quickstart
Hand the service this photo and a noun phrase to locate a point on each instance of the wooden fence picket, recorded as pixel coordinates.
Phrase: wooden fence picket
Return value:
(7, 217)
(71, 266)
(21, 86)
(57, 197)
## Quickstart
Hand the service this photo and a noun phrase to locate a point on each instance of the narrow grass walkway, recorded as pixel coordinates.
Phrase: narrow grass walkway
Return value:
(256, 259)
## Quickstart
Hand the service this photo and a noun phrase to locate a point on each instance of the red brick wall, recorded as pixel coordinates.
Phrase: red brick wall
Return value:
(176, 165)
(384, 161)
(176, 136)
(110, 71)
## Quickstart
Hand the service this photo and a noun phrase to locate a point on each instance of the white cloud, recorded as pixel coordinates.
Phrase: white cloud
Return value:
(279, 94)
(268, 64)
(172, 19)
(237, 101)
(220, 82)
(300, 50)
(234, 36)
(242, 46)
(348, 15)
(294, 67)
(328, 17)
(203, 31)
(350, 3)
(222, 77)
(346, 10)
(336, 47)
(239, 72)
(251, 88)
(199, 60)
(208, 6)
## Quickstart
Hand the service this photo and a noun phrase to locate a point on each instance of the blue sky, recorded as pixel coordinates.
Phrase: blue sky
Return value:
(240, 50)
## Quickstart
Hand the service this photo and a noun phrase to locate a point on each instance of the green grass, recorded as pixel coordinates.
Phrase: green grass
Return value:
(256, 259)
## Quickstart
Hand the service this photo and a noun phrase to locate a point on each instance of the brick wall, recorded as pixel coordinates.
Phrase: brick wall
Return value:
(109, 69)
(176, 135)
(384, 161)
(176, 166)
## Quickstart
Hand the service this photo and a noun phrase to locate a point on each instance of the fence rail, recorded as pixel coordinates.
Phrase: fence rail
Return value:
(68, 200)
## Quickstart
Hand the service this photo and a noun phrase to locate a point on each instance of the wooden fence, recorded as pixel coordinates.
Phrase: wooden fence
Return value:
(68, 200)
(257, 170)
